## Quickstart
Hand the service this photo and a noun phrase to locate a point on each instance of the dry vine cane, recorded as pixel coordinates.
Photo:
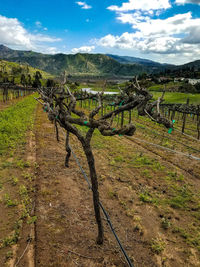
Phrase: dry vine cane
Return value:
(61, 107)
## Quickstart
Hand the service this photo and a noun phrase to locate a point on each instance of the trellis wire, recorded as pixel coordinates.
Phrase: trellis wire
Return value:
(164, 136)
(166, 148)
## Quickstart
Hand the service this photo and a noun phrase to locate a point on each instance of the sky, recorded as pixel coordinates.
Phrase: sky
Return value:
(167, 31)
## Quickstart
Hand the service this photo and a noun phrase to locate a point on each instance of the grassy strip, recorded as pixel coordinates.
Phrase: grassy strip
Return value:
(14, 121)
(16, 176)
(166, 87)
(178, 97)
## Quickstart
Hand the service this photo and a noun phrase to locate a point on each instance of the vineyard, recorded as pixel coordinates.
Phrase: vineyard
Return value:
(144, 155)
(11, 93)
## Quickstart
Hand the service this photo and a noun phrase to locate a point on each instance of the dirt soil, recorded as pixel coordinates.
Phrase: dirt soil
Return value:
(66, 229)
(137, 185)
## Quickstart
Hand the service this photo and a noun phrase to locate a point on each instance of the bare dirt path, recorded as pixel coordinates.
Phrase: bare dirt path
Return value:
(65, 227)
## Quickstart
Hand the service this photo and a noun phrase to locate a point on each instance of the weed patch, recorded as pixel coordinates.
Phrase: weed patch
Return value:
(14, 122)
(157, 245)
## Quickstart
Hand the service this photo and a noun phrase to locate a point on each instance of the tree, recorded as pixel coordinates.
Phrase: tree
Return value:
(16, 70)
(23, 79)
(50, 83)
(13, 80)
(37, 82)
(62, 112)
(29, 81)
(187, 88)
(5, 77)
(197, 86)
(38, 74)
(142, 76)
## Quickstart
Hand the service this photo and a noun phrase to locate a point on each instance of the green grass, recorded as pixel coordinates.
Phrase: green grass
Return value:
(98, 87)
(10, 65)
(14, 122)
(168, 86)
(171, 97)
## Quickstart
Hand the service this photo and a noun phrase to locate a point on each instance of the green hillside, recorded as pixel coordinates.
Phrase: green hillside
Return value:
(79, 64)
(13, 70)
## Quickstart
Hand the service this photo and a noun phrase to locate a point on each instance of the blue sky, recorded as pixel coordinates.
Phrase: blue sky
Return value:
(161, 30)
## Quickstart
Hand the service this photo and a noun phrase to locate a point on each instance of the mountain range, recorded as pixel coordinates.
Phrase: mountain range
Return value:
(84, 64)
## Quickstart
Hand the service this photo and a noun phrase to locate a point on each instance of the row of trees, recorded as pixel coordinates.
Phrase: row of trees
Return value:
(27, 80)
(189, 88)
(186, 71)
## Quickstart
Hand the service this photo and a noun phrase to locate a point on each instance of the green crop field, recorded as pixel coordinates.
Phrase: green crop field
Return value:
(174, 97)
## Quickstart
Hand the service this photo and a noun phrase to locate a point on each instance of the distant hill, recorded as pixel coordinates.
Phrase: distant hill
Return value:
(133, 60)
(78, 64)
(88, 64)
(195, 64)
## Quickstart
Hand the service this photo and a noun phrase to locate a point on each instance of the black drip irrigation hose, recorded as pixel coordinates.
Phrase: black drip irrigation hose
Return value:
(82, 171)
(130, 264)
(116, 237)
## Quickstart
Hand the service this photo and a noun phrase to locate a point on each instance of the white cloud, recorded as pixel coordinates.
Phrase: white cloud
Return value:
(83, 5)
(179, 34)
(193, 37)
(125, 41)
(83, 49)
(178, 24)
(141, 5)
(134, 18)
(48, 49)
(183, 2)
(51, 50)
(13, 33)
(169, 47)
(37, 38)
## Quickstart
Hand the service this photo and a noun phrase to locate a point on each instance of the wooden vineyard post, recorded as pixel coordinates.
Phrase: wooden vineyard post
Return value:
(122, 118)
(5, 94)
(198, 126)
(184, 117)
(105, 108)
(129, 121)
(102, 109)
(169, 113)
(178, 116)
(81, 99)
(173, 115)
